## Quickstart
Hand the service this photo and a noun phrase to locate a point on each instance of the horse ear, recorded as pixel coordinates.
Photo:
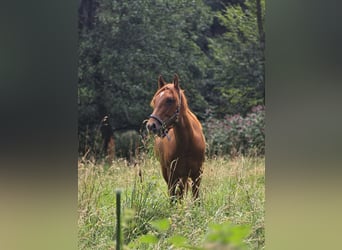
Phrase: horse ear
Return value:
(176, 81)
(161, 82)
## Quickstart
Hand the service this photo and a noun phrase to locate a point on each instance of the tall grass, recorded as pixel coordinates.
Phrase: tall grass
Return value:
(232, 194)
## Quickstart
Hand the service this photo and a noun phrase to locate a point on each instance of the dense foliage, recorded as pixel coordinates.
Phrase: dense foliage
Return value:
(216, 47)
(235, 135)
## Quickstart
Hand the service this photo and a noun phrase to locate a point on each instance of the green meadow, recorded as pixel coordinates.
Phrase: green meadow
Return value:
(230, 214)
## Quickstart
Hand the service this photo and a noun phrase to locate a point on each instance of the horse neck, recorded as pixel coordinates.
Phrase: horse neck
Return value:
(183, 129)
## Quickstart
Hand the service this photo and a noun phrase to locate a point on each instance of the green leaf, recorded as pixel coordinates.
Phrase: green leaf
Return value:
(228, 234)
(161, 225)
(177, 241)
(148, 239)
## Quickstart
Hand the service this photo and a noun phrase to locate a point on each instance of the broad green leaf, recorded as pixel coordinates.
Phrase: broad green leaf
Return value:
(161, 225)
(177, 240)
(148, 238)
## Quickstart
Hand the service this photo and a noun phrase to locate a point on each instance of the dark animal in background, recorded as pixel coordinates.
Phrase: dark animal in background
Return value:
(108, 147)
(180, 143)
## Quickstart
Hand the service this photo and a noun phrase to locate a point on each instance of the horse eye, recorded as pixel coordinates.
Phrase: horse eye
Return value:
(169, 100)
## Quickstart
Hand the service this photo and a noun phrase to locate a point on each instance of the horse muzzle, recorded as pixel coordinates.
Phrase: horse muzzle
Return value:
(156, 126)
(152, 127)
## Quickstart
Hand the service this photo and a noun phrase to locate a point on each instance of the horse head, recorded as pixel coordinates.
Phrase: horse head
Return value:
(166, 105)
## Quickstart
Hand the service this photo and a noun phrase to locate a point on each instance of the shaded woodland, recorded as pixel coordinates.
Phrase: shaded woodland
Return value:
(216, 48)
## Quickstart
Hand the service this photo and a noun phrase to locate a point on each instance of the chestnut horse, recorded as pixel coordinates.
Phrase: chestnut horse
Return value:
(180, 143)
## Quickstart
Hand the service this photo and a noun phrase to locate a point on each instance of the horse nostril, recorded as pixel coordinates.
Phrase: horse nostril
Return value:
(152, 127)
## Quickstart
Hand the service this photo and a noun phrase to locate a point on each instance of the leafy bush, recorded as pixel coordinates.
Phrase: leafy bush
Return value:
(127, 144)
(219, 236)
(235, 134)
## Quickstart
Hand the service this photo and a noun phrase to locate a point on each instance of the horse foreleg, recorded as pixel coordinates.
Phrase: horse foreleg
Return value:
(196, 182)
(176, 189)
(172, 186)
(181, 187)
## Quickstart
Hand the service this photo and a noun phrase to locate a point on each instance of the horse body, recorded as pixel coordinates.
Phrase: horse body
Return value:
(180, 145)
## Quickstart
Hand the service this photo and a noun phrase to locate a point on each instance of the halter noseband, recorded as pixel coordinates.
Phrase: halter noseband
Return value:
(164, 125)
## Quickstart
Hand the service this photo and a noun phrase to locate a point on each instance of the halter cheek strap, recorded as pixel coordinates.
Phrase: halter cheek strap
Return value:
(157, 119)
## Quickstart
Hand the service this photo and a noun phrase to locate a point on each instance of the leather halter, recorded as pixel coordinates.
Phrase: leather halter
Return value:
(168, 123)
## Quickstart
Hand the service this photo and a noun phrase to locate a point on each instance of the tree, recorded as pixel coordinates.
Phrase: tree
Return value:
(129, 44)
(238, 61)
(216, 47)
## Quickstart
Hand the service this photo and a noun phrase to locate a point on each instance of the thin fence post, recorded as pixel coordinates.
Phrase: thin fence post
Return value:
(118, 219)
